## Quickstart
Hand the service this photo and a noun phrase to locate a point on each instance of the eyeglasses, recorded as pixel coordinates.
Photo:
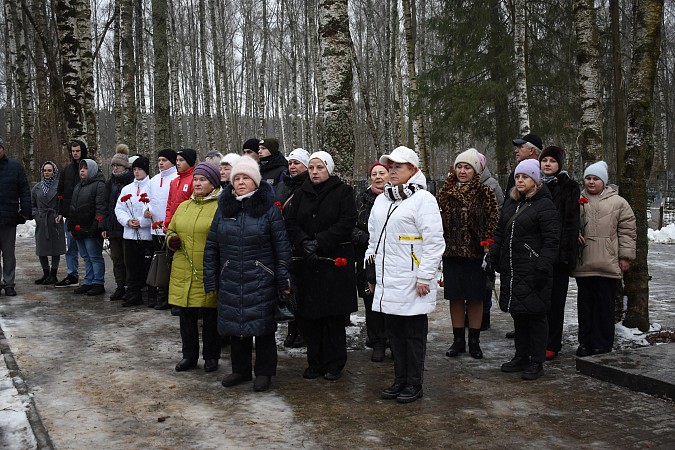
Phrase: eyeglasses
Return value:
(115, 165)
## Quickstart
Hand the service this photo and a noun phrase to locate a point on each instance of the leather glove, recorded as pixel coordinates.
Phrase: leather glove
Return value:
(540, 279)
(310, 247)
(174, 242)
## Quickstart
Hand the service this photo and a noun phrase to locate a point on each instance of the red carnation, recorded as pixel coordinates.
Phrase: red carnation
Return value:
(340, 262)
(279, 205)
(583, 200)
(144, 194)
(60, 197)
(125, 198)
(77, 228)
(490, 241)
(99, 218)
(157, 225)
(144, 199)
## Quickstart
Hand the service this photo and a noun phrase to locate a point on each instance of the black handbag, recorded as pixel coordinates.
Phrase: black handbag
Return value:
(285, 307)
(160, 270)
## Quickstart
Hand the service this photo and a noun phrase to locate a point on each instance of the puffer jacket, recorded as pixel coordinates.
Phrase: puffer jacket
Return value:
(608, 225)
(272, 168)
(159, 194)
(134, 209)
(69, 178)
(410, 250)
(325, 213)
(525, 250)
(470, 215)
(191, 223)
(179, 191)
(113, 187)
(565, 193)
(288, 185)
(87, 206)
(15, 197)
(247, 260)
(487, 179)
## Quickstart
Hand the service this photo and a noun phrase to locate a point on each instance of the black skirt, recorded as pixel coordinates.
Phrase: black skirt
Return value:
(464, 279)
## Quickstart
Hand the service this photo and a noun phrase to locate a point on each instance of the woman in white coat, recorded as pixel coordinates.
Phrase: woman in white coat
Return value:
(406, 245)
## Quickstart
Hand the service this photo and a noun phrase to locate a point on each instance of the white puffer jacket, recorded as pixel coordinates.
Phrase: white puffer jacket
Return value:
(159, 194)
(123, 211)
(410, 251)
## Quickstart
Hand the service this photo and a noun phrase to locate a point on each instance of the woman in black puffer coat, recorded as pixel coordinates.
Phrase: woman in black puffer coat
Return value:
(525, 248)
(565, 193)
(246, 261)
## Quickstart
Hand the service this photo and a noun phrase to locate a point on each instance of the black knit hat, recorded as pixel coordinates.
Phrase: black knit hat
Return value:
(251, 144)
(556, 153)
(168, 154)
(270, 144)
(189, 155)
(142, 163)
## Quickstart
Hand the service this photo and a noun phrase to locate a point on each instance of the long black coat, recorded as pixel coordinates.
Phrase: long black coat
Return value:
(113, 187)
(14, 192)
(246, 260)
(327, 213)
(527, 248)
(360, 235)
(68, 179)
(565, 193)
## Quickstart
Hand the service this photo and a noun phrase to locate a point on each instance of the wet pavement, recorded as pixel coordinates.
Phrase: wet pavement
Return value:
(102, 376)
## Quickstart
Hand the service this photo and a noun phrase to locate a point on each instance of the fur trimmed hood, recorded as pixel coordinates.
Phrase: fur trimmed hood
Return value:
(256, 205)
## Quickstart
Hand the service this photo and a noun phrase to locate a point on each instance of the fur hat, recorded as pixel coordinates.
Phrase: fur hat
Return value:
(189, 155)
(556, 153)
(471, 158)
(270, 144)
(247, 166)
(251, 144)
(301, 155)
(142, 163)
(599, 169)
(230, 158)
(529, 167)
(168, 154)
(121, 156)
(209, 171)
(325, 158)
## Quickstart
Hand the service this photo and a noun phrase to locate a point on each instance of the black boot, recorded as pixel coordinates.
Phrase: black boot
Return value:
(474, 344)
(485, 324)
(45, 275)
(152, 297)
(458, 344)
(51, 279)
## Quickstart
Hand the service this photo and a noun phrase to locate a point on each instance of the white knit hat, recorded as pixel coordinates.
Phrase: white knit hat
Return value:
(301, 155)
(599, 169)
(247, 166)
(231, 159)
(325, 158)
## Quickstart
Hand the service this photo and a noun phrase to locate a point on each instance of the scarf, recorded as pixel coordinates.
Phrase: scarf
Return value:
(375, 190)
(401, 192)
(47, 183)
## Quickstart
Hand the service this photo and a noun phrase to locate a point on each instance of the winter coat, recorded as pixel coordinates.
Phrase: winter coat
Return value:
(247, 260)
(565, 194)
(470, 215)
(272, 168)
(87, 206)
(50, 238)
(134, 209)
(525, 251)
(409, 251)
(179, 191)
(15, 204)
(360, 237)
(608, 225)
(487, 179)
(191, 223)
(288, 185)
(68, 179)
(326, 213)
(159, 194)
(113, 187)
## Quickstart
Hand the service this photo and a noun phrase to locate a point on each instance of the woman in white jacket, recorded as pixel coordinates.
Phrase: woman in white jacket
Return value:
(406, 245)
(137, 234)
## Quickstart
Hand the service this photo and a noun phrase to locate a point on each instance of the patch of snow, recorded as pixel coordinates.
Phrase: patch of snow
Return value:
(663, 236)
(14, 423)
(26, 230)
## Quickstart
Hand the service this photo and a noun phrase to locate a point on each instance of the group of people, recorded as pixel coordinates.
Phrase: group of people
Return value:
(246, 230)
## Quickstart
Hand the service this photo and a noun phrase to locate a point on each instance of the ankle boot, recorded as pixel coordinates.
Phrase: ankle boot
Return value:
(474, 344)
(45, 275)
(152, 297)
(458, 344)
(51, 279)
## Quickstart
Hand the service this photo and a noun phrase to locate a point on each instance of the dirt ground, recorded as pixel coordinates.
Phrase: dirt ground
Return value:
(102, 376)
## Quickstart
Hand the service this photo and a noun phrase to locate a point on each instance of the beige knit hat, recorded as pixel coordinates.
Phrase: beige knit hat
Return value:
(471, 158)
(121, 156)
(247, 166)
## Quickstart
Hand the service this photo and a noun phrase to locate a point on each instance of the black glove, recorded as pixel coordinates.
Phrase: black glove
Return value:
(370, 269)
(309, 247)
(540, 279)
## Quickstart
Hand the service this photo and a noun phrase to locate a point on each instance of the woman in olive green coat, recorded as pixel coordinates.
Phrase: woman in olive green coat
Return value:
(186, 236)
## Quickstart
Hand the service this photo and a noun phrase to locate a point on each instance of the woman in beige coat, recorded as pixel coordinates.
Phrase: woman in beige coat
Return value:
(607, 246)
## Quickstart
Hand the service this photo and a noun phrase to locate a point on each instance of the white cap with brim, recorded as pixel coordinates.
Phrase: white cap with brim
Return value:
(401, 155)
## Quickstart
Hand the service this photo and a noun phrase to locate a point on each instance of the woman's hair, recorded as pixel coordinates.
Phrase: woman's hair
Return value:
(517, 196)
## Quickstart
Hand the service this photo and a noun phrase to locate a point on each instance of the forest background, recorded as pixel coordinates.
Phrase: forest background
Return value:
(355, 78)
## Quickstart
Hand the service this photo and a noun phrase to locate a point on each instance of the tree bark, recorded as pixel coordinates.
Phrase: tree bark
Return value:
(87, 76)
(648, 18)
(206, 83)
(161, 75)
(128, 75)
(520, 64)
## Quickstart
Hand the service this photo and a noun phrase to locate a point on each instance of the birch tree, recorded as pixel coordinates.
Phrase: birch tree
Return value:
(161, 74)
(128, 74)
(520, 64)
(648, 17)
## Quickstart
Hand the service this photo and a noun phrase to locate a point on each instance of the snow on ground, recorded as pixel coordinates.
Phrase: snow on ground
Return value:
(13, 421)
(665, 235)
(26, 230)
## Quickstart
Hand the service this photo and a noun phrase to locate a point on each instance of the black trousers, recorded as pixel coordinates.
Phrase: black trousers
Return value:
(377, 334)
(531, 335)
(116, 246)
(137, 259)
(408, 340)
(241, 352)
(326, 343)
(158, 245)
(189, 333)
(556, 315)
(595, 305)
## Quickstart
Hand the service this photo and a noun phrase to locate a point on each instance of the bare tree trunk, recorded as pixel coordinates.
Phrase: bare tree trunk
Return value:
(336, 76)
(142, 116)
(497, 74)
(87, 76)
(648, 17)
(218, 61)
(262, 73)
(161, 92)
(175, 87)
(590, 138)
(206, 84)
(520, 64)
(117, 80)
(128, 74)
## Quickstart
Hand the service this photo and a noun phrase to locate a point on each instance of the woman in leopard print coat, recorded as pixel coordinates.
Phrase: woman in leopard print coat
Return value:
(470, 214)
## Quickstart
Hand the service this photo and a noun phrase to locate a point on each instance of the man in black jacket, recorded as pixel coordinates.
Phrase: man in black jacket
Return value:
(70, 176)
(272, 163)
(15, 208)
